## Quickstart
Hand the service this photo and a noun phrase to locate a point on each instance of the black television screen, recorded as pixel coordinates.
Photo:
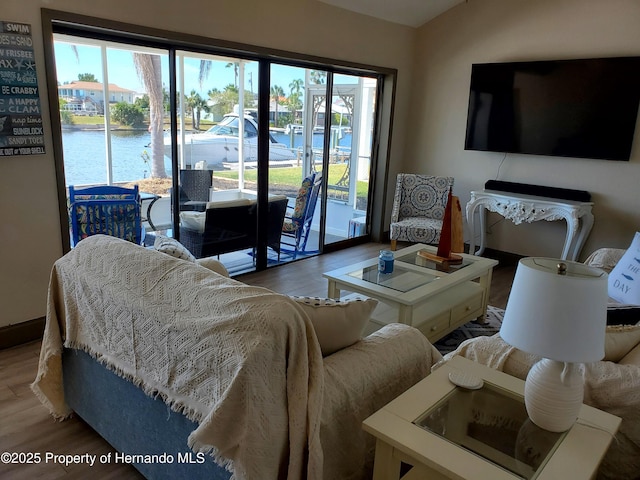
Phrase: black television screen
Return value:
(569, 108)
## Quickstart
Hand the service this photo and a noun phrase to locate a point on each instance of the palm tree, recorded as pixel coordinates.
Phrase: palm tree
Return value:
(197, 104)
(318, 77)
(236, 67)
(276, 94)
(201, 106)
(222, 102)
(149, 70)
(294, 102)
(296, 85)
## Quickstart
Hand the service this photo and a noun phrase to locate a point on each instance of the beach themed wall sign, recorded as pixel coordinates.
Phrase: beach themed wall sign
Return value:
(21, 131)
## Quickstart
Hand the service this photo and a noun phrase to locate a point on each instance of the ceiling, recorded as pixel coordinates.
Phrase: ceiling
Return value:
(412, 13)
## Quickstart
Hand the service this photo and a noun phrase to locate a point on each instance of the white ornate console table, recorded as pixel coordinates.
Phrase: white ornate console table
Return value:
(529, 208)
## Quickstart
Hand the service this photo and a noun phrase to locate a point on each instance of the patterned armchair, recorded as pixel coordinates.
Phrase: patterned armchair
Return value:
(106, 210)
(418, 208)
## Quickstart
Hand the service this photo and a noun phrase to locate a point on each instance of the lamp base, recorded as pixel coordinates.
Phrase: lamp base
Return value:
(553, 394)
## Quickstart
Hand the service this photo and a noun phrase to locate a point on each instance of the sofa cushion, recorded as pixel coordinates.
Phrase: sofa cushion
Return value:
(631, 358)
(624, 279)
(620, 340)
(172, 247)
(337, 323)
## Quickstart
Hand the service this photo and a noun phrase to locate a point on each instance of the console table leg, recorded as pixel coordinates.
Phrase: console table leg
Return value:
(472, 208)
(483, 232)
(585, 230)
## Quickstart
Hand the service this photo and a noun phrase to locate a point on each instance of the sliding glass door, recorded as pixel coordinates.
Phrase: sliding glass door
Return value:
(186, 127)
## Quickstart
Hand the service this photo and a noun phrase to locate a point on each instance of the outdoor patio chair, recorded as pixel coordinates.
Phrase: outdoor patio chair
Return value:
(297, 224)
(418, 208)
(194, 189)
(107, 210)
(231, 226)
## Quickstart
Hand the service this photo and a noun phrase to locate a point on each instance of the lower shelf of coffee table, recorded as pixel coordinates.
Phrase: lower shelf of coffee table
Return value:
(437, 316)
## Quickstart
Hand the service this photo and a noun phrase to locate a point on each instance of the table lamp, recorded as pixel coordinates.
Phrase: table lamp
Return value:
(557, 309)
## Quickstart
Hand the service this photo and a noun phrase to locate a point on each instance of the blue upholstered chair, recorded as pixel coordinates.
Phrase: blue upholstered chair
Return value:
(107, 210)
(418, 208)
(297, 224)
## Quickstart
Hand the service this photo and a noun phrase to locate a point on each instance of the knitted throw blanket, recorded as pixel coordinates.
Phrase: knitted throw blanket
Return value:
(236, 359)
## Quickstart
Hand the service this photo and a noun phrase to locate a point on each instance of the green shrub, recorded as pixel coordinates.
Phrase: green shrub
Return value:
(66, 117)
(127, 114)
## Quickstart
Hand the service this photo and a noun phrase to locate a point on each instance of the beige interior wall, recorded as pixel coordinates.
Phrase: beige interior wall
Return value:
(506, 30)
(29, 230)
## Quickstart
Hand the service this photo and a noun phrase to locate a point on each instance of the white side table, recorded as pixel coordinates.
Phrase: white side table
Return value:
(521, 208)
(443, 431)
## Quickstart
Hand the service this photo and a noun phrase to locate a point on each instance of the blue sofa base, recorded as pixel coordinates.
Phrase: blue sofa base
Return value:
(132, 422)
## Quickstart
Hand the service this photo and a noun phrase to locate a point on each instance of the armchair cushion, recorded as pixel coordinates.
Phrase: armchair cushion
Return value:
(193, 220)
(337, 323)
(301, 200)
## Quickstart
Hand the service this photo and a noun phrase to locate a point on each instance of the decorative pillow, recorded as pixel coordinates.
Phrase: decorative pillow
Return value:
(338, 323)
(619, 341)
(172, 247)
(624, 279)
(213, 265)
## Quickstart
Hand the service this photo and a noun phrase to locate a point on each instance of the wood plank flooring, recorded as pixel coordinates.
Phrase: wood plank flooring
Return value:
(26, 426)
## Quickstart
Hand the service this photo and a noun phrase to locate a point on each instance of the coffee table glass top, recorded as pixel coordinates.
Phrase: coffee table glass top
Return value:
(492, 423)
(415, 259)
(401, 279)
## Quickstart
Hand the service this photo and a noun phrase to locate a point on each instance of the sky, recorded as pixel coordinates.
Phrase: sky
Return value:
(121, 70)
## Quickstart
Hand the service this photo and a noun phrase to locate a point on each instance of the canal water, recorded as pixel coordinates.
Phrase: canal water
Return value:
(84, 154)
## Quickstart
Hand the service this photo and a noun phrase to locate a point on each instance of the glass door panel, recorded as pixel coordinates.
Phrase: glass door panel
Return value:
(295, 162)
(218, 169)
(352, 116)
(112, 122)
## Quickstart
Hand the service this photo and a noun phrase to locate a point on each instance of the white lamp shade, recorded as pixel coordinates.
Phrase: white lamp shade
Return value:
(560, 317)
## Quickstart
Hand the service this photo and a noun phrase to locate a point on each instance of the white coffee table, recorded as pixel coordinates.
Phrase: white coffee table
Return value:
(418, 292)
(443, 431)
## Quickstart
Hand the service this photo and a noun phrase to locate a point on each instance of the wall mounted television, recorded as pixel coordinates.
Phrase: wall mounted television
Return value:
(569, 108)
